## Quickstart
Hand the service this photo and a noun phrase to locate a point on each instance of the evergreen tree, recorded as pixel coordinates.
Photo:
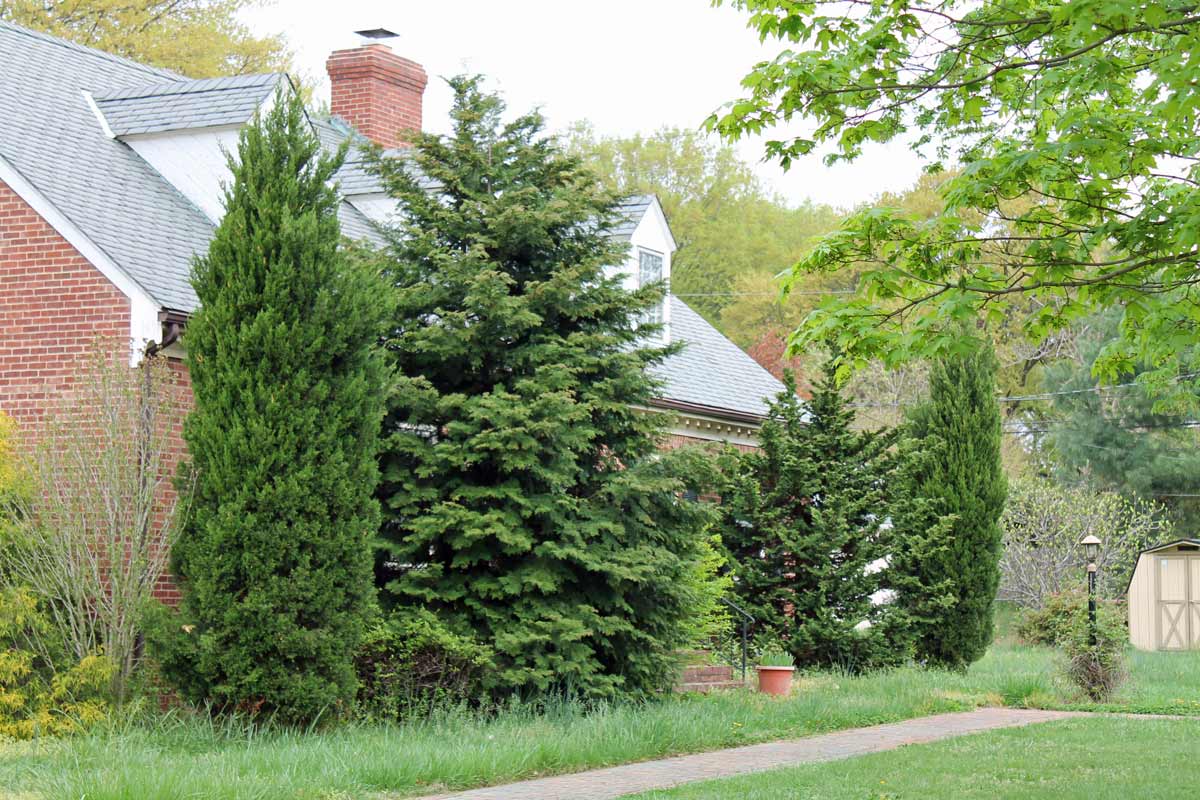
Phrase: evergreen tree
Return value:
(803, 522)
(524, 501)
(275, 563)
(949, 535)
(1128, 440)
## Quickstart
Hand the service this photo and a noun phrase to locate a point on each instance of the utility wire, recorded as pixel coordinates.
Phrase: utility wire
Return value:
(761, 294)
(1020, 398)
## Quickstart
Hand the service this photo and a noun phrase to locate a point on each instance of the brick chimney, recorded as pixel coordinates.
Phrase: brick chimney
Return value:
(377, 92)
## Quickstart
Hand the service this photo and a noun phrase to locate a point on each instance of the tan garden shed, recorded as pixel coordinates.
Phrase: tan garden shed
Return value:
(1164, 597)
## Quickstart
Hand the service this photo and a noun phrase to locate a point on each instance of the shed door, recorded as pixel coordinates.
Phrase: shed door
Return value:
(1194, 603)
(1174, 603)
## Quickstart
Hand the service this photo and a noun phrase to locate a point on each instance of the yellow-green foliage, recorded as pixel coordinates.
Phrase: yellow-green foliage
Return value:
(34, 700)
(712, 582)
(9, 471)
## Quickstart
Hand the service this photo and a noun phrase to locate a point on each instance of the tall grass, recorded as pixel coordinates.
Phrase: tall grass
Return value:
(183, 756)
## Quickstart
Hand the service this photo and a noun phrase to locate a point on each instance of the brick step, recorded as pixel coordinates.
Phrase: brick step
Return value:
(709, 672)
(708, 686)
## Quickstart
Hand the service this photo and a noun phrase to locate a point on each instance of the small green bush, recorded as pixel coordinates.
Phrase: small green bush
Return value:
(411, 664)
(711, 582)
(1050, 624)
(1100, 668)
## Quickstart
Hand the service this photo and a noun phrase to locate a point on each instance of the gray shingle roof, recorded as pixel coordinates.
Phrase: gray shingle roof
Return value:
(175, 105)
(631, 212)
(711, 370)
(50, 134)
(356, 226)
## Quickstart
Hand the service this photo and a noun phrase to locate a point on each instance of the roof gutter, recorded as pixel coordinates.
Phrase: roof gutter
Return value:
(743, 417)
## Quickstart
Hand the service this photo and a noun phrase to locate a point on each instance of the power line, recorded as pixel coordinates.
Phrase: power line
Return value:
(761, 294)
(1046, 395)
(1019, 398)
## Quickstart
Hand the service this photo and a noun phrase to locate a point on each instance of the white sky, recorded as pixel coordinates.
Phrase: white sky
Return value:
(627, 66)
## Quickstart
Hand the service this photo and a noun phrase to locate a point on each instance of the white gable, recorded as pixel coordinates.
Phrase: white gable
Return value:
(193, 161)
(652, 235)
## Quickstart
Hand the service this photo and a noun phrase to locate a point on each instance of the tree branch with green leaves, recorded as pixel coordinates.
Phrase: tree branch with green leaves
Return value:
(1073, 132)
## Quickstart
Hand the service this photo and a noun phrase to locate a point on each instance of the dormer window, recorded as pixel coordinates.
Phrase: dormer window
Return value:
(650, 270)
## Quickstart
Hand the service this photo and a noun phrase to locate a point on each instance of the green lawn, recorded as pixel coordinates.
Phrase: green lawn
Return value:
(1089, 759)
(177, 757)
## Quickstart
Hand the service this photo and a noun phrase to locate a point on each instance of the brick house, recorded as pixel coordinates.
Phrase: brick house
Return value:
(110, 176)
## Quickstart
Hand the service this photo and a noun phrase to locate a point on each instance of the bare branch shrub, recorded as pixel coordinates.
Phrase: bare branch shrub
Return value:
(91, 534)
(1043, 523)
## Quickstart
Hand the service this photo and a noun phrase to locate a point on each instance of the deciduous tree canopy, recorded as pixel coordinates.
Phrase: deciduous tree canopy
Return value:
(1074, 127)
(197, 38)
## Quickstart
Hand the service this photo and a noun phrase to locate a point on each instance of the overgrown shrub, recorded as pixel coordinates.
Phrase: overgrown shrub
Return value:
(411, 664)
(1050, 623)
(1060, 613)
(711, 582)
(37, 698)
(88, 530)
(1101, 668)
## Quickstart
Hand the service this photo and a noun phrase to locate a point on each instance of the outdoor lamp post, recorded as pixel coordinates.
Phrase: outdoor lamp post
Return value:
(1091, 546)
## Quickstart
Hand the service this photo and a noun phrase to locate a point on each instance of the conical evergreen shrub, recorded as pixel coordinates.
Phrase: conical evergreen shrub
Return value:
(949, 559)
(275, 563)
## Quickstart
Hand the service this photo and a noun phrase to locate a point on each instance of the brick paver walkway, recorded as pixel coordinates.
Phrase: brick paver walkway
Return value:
(600, 784)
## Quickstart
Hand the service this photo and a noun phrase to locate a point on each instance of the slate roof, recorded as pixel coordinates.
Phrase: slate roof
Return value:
(169, 106)
(711, 370)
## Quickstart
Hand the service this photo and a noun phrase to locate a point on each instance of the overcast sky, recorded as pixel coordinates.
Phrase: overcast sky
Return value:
(627, 66)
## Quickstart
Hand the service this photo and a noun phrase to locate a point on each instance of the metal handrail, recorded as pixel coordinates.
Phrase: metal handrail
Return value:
(746, 621)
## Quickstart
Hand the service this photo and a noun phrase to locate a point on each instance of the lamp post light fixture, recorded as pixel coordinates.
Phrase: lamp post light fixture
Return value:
(1091, 546)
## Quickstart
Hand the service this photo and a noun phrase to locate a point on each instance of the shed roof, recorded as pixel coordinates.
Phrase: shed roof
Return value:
(1154, 549)
(1165, 545)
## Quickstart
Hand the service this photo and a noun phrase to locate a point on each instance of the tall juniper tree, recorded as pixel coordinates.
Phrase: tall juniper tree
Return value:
(803, 522)
(275, 563)
(523, 500)
(948, 565)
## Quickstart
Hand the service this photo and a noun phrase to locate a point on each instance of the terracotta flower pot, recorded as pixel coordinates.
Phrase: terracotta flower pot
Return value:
(775, 680)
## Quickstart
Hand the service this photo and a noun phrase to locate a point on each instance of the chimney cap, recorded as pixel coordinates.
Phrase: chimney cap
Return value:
(377, 33)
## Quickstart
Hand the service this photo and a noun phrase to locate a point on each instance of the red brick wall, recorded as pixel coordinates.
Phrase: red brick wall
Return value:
(165, 589)
(53, 306)
(675, 441)
(377, 92)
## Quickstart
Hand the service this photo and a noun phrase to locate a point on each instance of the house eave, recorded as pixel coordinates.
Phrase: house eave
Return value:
(723, 414)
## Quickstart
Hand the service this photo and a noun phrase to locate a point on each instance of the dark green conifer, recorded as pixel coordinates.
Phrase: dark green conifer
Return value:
(275, 562)
(524, 500)
(949, 534)
(804, 522)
